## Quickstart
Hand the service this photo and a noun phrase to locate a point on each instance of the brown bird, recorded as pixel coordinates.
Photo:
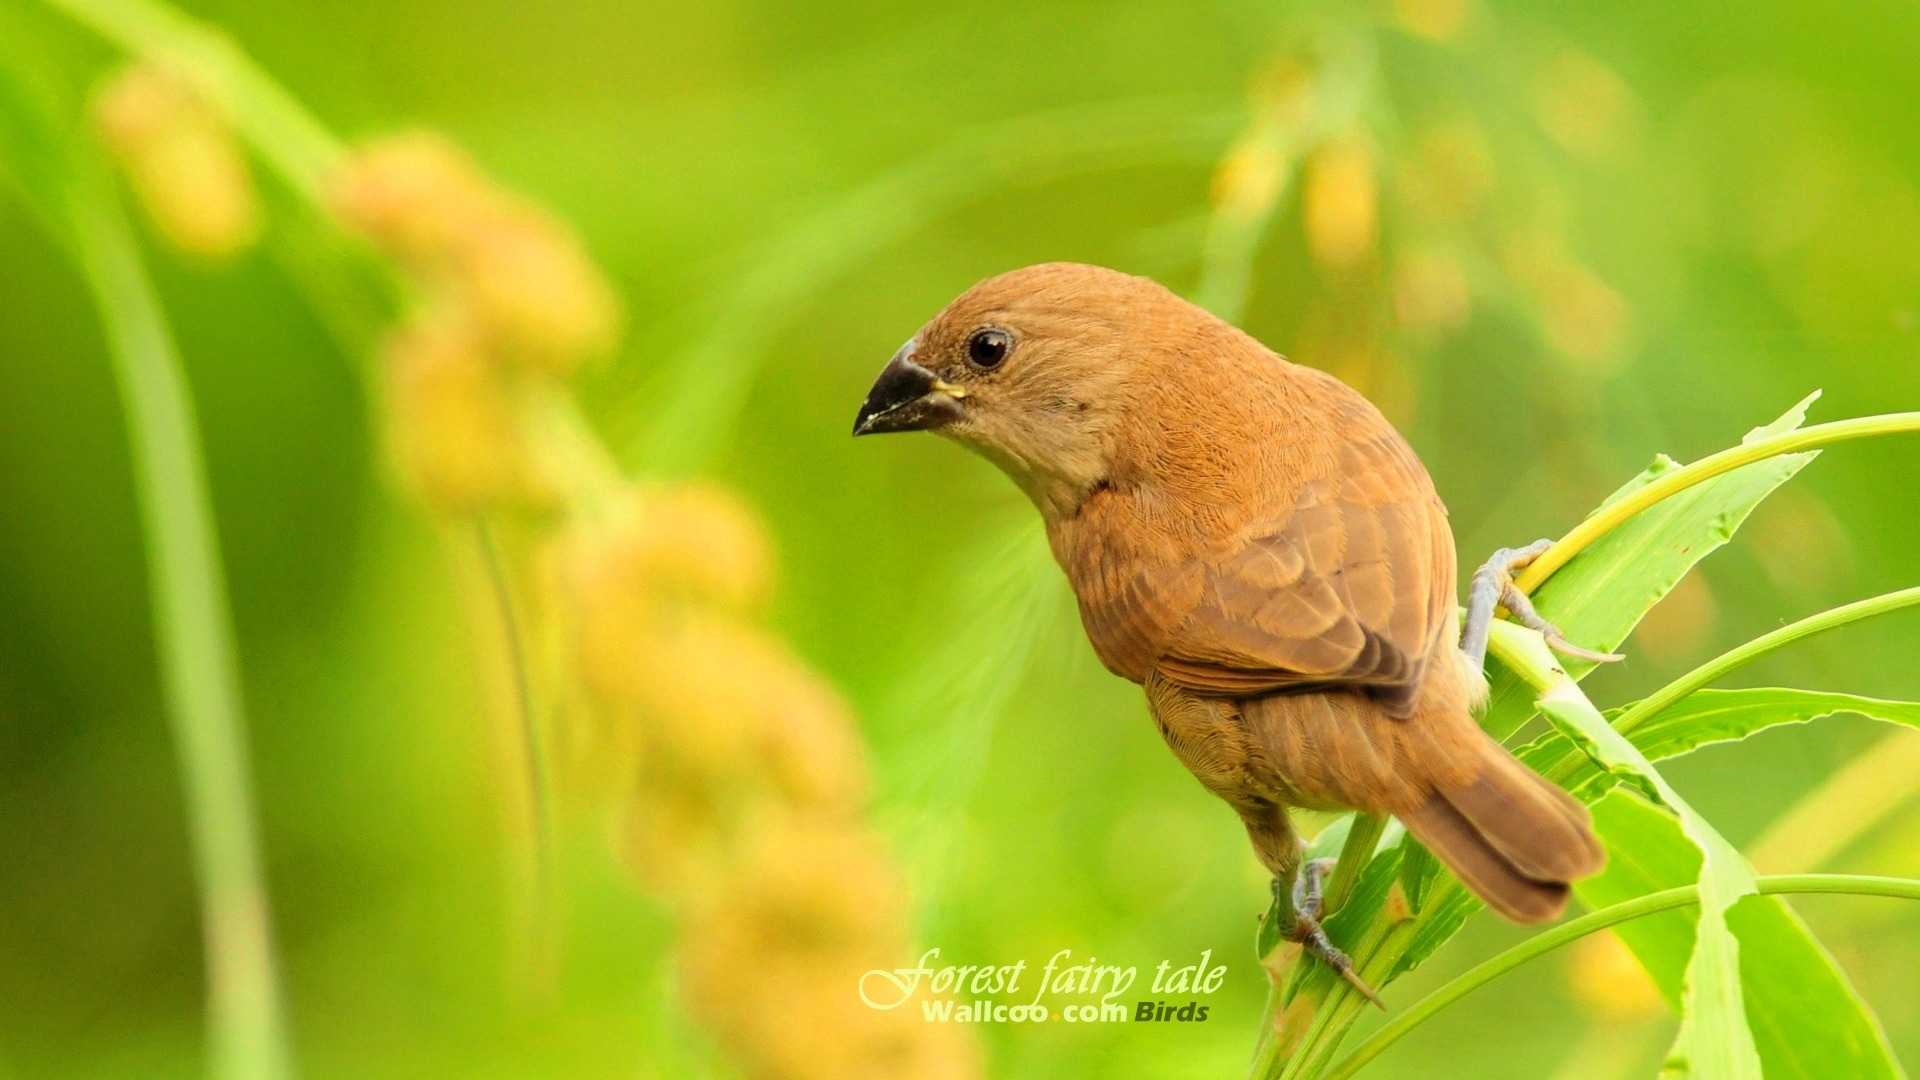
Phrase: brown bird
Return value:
(1252, 542)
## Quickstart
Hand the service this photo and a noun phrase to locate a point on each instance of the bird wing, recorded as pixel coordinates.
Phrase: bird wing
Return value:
(1350, 584)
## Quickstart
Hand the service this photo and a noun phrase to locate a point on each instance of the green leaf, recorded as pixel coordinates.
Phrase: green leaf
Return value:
(1714, 1042)
(1803, 1013)
(1706, 717)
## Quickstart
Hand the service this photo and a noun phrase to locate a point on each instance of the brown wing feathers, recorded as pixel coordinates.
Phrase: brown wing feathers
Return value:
(1330, 620)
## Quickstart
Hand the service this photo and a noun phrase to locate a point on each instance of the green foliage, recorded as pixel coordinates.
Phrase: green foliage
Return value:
(1620, 916)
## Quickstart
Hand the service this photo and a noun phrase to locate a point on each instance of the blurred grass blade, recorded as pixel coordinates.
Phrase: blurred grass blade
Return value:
(199, 672)
(539, 944)
(1615, 915)
(1714, 1041)
(1843, 808)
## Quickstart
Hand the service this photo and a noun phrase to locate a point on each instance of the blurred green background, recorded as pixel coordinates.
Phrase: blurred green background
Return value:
(784, 192)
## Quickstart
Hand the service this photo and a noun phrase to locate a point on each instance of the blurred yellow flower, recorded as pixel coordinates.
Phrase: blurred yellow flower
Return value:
(522, 274)
(1441, 20)
(454, 419)
(1584, 105)
(1584, 318)
(1340, 203)
(180, 159)
(1249, 178)
(771, 961)
(1449, 172)
(1609, 981)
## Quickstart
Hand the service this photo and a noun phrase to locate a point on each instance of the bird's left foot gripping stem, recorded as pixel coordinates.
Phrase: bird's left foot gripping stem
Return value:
(1307, 893)
(1493, 588)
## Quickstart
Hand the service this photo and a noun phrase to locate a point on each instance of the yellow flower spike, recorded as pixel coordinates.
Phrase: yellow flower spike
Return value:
(1340, 204)
(770, 961)
(180, 159)
(729, 707)
(454, 421)
(526, 279)
(704, 539)
(533, 287)
(416, 196)
(670, 836)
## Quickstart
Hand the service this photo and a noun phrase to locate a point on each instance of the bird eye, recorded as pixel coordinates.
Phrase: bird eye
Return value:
(986, 348)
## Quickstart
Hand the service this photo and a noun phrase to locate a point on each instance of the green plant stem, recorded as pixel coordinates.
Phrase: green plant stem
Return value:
(199, 671)
(1540, 944)
(1745, 654)
(1612, 515)
(1362, 837)
(540, 838)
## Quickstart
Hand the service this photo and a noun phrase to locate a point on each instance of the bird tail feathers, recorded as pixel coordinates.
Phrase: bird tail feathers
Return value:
(1515, 839)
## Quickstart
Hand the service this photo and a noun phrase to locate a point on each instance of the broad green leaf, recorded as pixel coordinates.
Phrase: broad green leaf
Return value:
(1800, 1006)
(1646, 852)
(1711, 716)
(1714, 1042)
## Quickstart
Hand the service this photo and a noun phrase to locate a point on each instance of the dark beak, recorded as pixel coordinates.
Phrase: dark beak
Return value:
(908, 397)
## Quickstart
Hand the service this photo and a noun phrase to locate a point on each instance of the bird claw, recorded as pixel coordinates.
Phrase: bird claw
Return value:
(1308, 892)
(1493, 588)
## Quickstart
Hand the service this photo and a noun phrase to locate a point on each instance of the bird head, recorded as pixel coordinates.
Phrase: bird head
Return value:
(1035, 369)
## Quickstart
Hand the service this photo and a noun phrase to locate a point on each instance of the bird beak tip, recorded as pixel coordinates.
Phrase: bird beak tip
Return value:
(907, 397)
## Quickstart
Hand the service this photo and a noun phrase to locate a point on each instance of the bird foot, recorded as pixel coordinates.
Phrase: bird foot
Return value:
(1493, 588)
(1308, 893)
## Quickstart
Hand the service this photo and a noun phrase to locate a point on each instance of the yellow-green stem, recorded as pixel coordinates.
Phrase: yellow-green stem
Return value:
(199, 669)
(1363, 835)
(1614, 514)
(1745, 654)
